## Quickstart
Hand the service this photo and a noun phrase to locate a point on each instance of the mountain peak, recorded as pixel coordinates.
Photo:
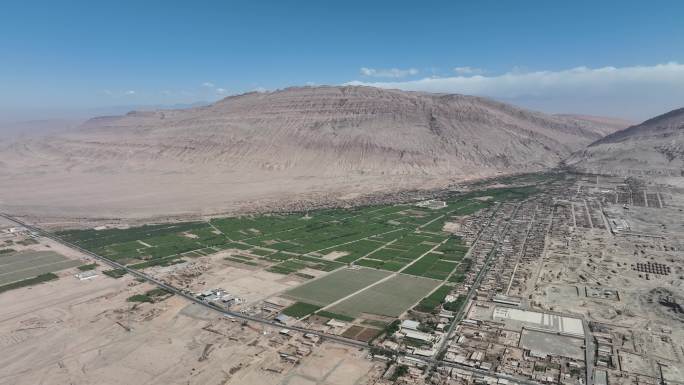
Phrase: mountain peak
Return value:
(655, 146)
(330, 140)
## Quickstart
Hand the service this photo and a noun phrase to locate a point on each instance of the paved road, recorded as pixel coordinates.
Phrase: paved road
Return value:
(353, 343)
(471, 293)
(511, 379)
(182, 293)
(589, 350)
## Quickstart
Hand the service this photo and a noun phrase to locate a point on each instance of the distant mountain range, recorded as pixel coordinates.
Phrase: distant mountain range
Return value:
(308, 142)
(42, 122)
(654, 147)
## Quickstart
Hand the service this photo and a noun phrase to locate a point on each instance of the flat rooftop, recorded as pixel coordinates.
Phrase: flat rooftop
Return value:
(539, 321)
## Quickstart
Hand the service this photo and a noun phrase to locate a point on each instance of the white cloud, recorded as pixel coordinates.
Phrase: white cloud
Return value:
(468, 70)
(129, 92)
(221, 91)
(208, 85)
(388, 73)
(636, 91)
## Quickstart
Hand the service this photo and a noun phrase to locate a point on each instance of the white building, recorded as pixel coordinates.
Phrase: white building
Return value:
(409, 324)
(420, 336)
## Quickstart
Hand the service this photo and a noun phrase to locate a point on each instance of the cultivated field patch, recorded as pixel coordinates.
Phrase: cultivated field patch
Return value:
(382, 237)
(27, 264)
(433, 300)
(300, 309)
(400, 253)
(431, 266)
(389, 298)
(337, 285)
(360, 333)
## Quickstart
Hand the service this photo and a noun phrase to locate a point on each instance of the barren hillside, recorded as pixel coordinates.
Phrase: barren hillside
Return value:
(297, 143)
(606, 125)
(654, 147)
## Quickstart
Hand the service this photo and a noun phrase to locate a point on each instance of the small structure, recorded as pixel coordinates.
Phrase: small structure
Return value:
(600, 377)
(409, 324)
(314, 338)
(15, 230)
(284, 319)
(420, 336)
(335, 323)
(424, 352)
(86, 275)
(432, 204)
(504, 299)
(450, 298)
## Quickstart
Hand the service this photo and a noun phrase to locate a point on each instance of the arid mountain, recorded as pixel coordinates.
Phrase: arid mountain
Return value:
(608, 124)
(654, 147)
(289, 144)
(35, 128)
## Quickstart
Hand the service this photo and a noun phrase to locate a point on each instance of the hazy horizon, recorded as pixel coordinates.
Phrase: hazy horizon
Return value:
(608, 59)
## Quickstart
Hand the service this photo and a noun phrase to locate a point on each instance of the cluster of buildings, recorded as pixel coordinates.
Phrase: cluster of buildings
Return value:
(500, 339)
(220, 297)
(490, 235)
(292, 347)
(628, 356)
(11, 233)
(507, 341)
(432, 204)
(415, 339)
(272, 308)
(517, 256)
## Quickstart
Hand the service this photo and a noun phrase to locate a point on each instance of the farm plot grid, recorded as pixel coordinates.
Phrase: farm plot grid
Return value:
(386, 237)
(334, 286)
(322, 240)
(388, 298)
(400, 252)
(27, 264)
(439, 263)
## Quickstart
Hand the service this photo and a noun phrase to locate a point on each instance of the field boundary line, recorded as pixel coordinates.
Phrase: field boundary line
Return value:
(384, 279)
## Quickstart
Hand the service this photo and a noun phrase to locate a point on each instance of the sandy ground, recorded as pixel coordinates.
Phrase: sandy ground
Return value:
(71, 331)
(252, 151)
(75, 197)
(253, 284)
(66, 332)
(592, 272)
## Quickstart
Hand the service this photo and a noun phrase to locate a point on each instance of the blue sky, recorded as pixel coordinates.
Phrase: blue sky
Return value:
(621, 58)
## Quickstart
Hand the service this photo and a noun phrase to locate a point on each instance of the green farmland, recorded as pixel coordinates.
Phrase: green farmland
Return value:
(388, 298)
(332, 287)
(300, 309)
(436, 298)
(387, 237)
(431, 266)
(28, 264)
(28, 282)
(349, 251)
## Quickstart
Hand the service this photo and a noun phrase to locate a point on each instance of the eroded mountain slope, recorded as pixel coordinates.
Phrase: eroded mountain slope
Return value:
(310, 142)
(654, 147)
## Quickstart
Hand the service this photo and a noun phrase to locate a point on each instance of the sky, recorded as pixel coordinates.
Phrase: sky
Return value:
(613, 58)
